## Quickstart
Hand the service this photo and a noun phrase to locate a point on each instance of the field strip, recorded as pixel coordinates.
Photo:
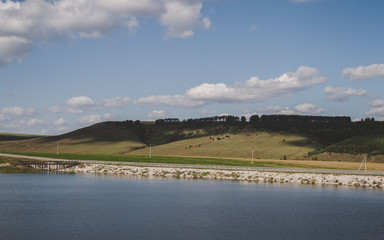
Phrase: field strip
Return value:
(232, 168)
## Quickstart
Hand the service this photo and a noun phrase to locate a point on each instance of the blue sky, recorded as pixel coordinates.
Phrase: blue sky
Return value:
(66, 64)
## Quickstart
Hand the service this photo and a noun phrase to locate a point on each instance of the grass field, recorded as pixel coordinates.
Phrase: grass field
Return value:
(302, 164)
(264, 144)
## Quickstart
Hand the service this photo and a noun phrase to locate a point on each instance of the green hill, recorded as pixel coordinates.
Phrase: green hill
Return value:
(268, 139)
(212, 140)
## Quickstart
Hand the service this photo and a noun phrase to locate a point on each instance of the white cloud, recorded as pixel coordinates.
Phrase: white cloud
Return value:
(376, 111)
(59, 122)
(33, 122)
(276, 110)
(13, 47)
(10, 113)
(309, 108)
(170, 100)
(116, 102)
(182, 17)
(343, 94)
(80, 102)
(76, 105)
(252, 90)
(377, 108)
(40, 20)
(364, 72)
(157, 114)
(83, 104)
(301, 109)
(377, 103)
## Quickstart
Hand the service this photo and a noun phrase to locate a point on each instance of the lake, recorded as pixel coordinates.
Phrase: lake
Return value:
(44, 206)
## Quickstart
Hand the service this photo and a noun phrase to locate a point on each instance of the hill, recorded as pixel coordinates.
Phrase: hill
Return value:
(212, 140)
(268, 139)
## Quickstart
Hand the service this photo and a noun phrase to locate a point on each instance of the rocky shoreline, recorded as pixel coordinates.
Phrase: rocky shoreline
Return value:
(367, 181)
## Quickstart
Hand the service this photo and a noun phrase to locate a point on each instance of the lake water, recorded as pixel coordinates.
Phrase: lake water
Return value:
(42, 206)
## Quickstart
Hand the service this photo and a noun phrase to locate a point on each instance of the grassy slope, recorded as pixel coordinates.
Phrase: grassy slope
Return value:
(216, 140)
(173, 140)
(266, 146)
(99, 138)
(14, 136)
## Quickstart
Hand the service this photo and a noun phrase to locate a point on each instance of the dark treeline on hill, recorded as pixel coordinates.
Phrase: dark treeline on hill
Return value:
(257, 119)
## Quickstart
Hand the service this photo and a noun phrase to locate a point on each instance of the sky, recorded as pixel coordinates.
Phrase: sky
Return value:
(67, 64)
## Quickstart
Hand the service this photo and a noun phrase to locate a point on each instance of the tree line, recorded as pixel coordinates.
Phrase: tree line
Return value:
(257, 118)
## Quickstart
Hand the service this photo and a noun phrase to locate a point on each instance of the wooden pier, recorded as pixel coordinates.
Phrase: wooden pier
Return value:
(49, 166)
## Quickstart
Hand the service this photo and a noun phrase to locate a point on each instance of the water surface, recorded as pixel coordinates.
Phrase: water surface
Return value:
(42, 206)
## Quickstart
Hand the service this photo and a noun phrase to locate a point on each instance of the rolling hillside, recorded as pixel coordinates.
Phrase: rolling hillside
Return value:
(268, 140)
(215, 140)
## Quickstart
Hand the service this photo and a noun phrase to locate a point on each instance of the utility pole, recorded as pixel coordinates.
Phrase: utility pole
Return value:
(252, 155)
(150, 150)
(365, 163)
(57, 149)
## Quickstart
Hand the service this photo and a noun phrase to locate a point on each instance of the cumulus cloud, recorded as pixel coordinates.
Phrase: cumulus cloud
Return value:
(157, 114)
(116, 102)
(10, 113)
(308, 108)
(182, 17)
(170, 100)
(40, 20)
(377, 108)
(301, 109)
(75, 105)
(83, 104)
(255, 89)
(377, 103)
(80, 102)
(59, 122)
(33, 122)
(342, 94)
(364, 72)
(252, 90)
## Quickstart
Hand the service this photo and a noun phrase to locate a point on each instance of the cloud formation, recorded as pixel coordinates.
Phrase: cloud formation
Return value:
(377, 108)
(342, 94)
(364, 72)
(182, 17)
(40, 20)
(252, 90)
(11, 113)
(157, 114)
(301, 109)
(83, 104)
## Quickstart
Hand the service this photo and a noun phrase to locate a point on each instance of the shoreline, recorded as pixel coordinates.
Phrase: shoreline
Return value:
(366, 181)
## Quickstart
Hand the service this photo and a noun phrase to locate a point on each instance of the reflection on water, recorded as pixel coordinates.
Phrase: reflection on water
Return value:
(39, 206)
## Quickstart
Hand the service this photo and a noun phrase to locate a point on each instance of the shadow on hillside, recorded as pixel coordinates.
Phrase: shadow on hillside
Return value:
(302, 143)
